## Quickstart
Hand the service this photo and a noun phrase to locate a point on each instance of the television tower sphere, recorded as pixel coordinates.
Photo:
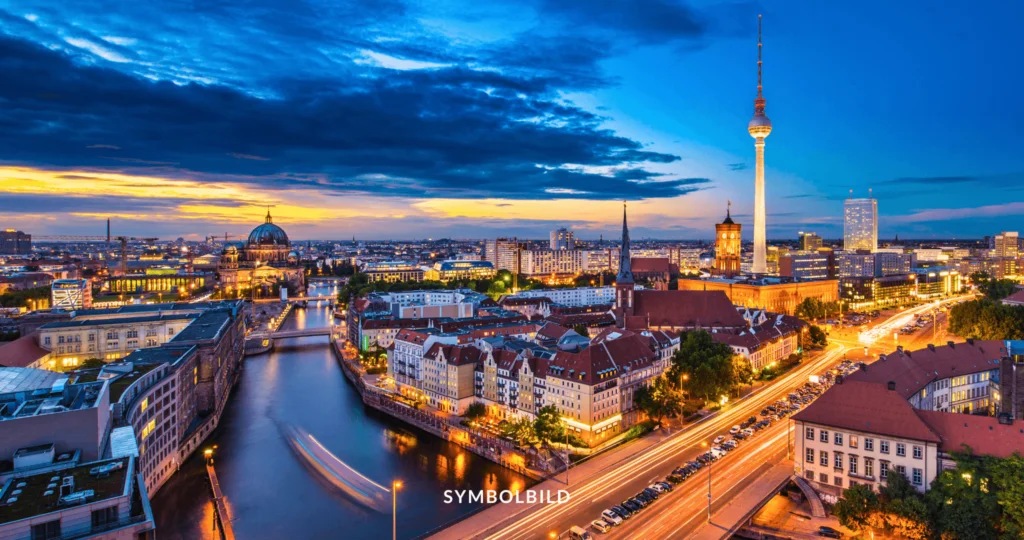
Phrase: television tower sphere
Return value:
(759, 127)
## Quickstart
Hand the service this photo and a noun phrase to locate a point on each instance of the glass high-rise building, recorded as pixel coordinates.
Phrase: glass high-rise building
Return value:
(860, 224)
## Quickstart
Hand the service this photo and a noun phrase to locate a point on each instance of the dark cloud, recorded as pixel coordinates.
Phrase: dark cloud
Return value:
(442, 132)
(798, 196)
(932, 180)
(737, 166)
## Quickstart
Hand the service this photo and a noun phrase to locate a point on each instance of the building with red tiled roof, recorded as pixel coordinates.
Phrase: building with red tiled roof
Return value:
(24, 352)
(1015, 299)
(956, 377)
(767, 343)
(653, 268)
(860, 432)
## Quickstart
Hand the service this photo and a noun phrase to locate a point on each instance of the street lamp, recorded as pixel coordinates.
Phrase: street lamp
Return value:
(395, 486)
(208, 454)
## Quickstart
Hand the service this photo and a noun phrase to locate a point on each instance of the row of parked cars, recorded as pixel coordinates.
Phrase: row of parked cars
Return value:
(632, 506)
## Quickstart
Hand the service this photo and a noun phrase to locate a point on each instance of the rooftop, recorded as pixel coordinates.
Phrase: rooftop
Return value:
(120, 384)
(21, 352)
(14, 379)
(869, 408)
(207, 326)
(33, 500)
(913, 370)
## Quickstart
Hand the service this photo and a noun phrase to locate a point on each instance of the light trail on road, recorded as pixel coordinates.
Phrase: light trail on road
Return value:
(606, 483)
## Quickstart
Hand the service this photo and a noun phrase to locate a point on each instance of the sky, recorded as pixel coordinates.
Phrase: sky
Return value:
(407, 119)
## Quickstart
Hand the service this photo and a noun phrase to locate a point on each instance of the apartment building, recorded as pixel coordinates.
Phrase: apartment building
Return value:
(769, 340)
(448, 376)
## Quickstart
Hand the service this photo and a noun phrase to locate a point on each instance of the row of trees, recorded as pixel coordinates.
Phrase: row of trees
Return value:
(993, 289)
(987, 319)
(12, 299)
(982, 498)
(547, 427)
(812, 309)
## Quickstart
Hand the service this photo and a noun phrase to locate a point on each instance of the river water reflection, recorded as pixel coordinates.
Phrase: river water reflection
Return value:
(272, 494)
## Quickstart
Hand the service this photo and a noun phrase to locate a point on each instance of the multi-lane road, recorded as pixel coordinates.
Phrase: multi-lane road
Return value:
(677, 514)
(591, 494)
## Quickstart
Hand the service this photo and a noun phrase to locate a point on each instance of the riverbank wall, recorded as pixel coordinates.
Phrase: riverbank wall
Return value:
(497, 450)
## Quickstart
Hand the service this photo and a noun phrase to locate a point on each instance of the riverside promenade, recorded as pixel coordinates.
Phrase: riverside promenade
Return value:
(440, 425)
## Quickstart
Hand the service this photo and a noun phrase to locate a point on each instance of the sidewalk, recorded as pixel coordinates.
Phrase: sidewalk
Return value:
(728, 519)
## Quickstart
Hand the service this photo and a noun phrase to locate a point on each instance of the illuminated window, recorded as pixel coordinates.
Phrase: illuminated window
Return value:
(144, 405)
(148, 429)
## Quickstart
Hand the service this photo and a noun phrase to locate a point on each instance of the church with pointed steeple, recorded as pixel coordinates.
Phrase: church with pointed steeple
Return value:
(650, 309)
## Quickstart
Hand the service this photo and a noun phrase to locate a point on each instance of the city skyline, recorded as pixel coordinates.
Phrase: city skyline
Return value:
(432, 120)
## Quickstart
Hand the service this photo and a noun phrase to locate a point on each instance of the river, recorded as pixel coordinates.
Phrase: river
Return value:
(271, 494)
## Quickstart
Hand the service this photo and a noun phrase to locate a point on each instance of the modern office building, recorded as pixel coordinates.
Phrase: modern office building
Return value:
(70, 294)
(14, 242)
(860, 224)
(562, 238)
(807, 265)
(860, 292)
(1007, 245)
(810, 241)
(445, 271)
(392, 271)
(542, 263)
(502, 253)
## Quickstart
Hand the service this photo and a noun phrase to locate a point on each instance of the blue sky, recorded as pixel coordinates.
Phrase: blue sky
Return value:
(407, 119)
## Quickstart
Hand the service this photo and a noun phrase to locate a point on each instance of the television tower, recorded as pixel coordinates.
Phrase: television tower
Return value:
(759, 128)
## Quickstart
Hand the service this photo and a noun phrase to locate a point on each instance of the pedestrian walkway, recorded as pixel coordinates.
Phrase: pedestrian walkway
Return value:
(223, 519)
(728, 519)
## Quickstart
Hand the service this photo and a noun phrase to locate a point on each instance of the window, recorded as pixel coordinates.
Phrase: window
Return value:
(148, 429)
(869, 444)
(917, 480)
(869, 468)
(45, 531)
(46, 341)
(823, 478)
(144, 405)
(839, 481)
(838, 437)
(853, 464)
(810, 455)
(823, 458)
(884, 470)
(60, 339)
(809, 433)
(901, 449)
(838, 461)
(92, 337)
(901, 469)
(884, 447)
(853, 441)
(918, 452)
(104, 517)
(823, 436)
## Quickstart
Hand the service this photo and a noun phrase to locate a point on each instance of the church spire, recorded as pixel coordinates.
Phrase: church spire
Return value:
(625, 260)
(268, 220)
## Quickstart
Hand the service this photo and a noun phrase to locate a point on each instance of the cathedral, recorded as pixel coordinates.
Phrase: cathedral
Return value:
(265, 259)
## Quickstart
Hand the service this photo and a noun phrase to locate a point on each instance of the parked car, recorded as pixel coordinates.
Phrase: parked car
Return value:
(720, 439)
(734, 430)
(657, 488)
(578, 533)
(611, 517)
(829, 532)
(622, 512)
(748, 432)
(631, 506)
(675, 478)
(665, 485)
(652, 493)
(600, 526)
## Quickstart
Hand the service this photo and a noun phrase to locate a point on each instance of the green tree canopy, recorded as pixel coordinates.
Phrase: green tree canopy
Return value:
(475, 410)
(658, 400)
(987, 319)
(704, 366)
(548, 426)
(856, 507)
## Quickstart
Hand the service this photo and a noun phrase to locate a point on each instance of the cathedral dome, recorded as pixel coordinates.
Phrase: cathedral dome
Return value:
(268, 234)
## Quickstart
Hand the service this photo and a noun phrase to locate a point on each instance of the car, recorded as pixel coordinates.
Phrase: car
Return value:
(631, 506)
(657, 487)
(665, 485)
(644, 498)
(681, 471)
(765, 412)
(577, 533)
(695, 464)
(622, 512)
(600, 526)
(748, 432)
(752, 420)
(611, 517)
(734, 430)
(742, 435)
(720, 439)
(675, 478)
(829, 532)
(730, 444)
(652, 493)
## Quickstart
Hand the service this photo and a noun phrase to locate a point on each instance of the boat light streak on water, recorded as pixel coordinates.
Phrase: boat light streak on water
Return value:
(336, 472)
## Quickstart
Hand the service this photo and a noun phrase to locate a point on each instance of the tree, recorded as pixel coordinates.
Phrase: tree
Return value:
(987, 319)
(817, 336)
(908, 518)
(475, 410)
(959, 507)
(1007, 481)
(496, 289)
(856, 507)
(896, 487)
(548, 426)
(814, 309)
(707, 365)
(997, 289)
(581, 329)
(520, 429)
(658, 400)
